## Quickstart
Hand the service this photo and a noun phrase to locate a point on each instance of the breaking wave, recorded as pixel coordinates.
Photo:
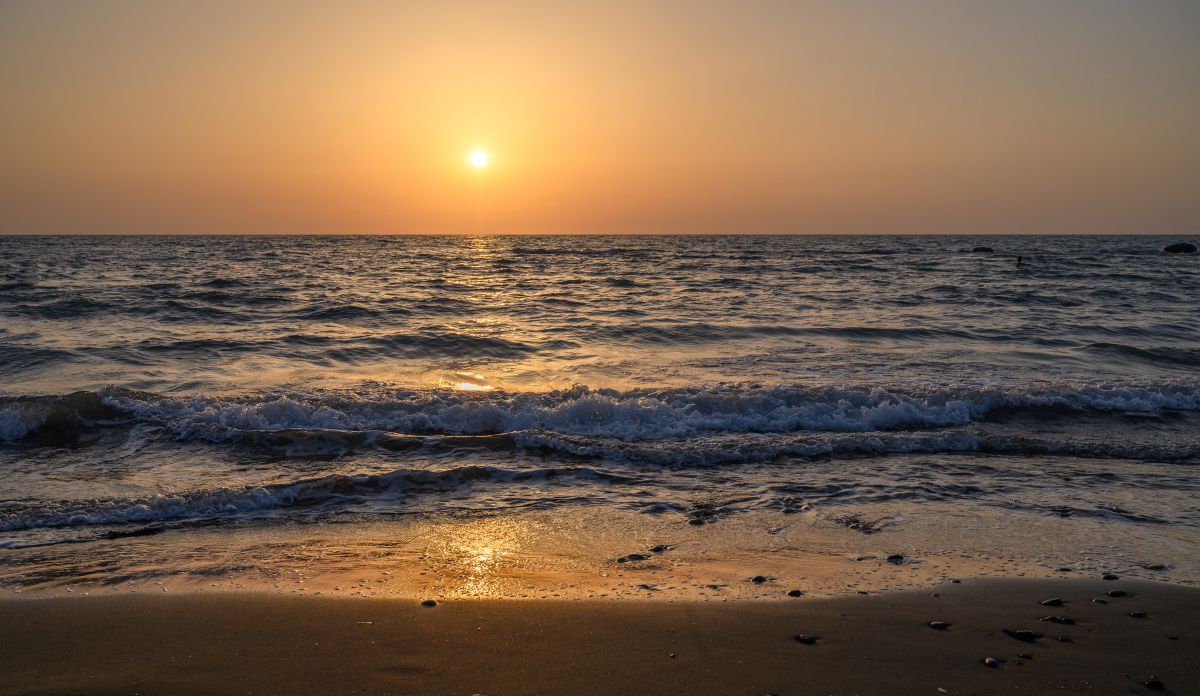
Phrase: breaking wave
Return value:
(628, 416)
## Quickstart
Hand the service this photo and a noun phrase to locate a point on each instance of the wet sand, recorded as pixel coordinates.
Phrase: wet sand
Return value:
(880, 643)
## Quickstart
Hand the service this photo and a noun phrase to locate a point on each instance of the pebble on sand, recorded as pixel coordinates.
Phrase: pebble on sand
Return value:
(991, 662)
(895, 558)
(429, 603)
(1118, 593)
(805, 638)
(637, 557)
(1155, 566)
(758, 579)
(1109, 576)
(956, 581)
(1025, 656)
(941, 625)
(696, 522)
(795, 593)
(1027, 636)
(1154, 684)
(660, 548)
(1172, 637)
(1059, 620)
(1099, 601)
(1064, 639)
(1056, 602)
(672, 656)
(1138, 614)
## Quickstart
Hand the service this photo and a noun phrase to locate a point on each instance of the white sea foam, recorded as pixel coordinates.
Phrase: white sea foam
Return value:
(16, 422)
(640, 414)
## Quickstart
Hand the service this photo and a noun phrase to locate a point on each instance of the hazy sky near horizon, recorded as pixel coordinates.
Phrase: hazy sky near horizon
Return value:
(1041, 116)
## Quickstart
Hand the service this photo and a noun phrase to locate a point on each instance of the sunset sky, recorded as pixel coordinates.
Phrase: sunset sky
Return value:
(1040, 116)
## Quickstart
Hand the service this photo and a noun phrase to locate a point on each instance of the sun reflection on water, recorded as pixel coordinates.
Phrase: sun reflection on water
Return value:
(477, 382)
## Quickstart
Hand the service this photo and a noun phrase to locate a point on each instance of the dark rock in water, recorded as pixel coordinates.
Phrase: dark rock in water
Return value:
(982, 250)
(1027, 636)
(1180, 248)
(991, 662)
(429, 603)
(1058, 620)
(1109, 576)
(1025, 656)
(940, 625)
(1064, 639)
(1155, 566)
(695, 521)
(758, 579)
(1099, 601)
(805, 638)
(895, 558)
(956, 581)
(1138, 614)
(144, 531)
(1155, 684)
(1056, 602)
(1118, 593)
(659, 549)
(795, 593)
(637, 557)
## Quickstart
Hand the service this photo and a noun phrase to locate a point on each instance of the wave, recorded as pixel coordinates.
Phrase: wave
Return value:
(320, 495)
(628, 416)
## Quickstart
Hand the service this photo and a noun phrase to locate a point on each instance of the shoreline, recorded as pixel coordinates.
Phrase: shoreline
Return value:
(578, 555)
(238, 643)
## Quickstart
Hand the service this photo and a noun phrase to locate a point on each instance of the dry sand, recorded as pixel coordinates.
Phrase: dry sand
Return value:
(246, 643)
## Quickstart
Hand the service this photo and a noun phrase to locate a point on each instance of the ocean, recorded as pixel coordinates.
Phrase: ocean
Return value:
(208, 404)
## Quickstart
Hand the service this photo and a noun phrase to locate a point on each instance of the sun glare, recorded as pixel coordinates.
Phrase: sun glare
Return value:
(479, 159)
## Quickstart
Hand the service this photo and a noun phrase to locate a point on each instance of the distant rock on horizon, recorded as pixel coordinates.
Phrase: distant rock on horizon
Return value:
(1180, 248)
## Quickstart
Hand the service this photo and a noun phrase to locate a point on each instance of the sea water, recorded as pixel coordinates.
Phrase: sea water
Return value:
(720, 394)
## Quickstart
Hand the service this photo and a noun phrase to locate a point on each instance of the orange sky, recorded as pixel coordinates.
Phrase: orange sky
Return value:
(1039, 116)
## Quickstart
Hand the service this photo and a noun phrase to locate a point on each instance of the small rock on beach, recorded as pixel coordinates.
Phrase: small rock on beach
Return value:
(805, 638)
(1027, 636)
(1056, 602)
(429, 603)
(1118, 593)
(940, 625)
(794, 593)
(991, 662)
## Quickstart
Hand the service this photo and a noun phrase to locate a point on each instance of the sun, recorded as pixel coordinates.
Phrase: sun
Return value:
(479, 159)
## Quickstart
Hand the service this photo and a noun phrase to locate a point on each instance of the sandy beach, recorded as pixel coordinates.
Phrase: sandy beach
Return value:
(880, 643)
